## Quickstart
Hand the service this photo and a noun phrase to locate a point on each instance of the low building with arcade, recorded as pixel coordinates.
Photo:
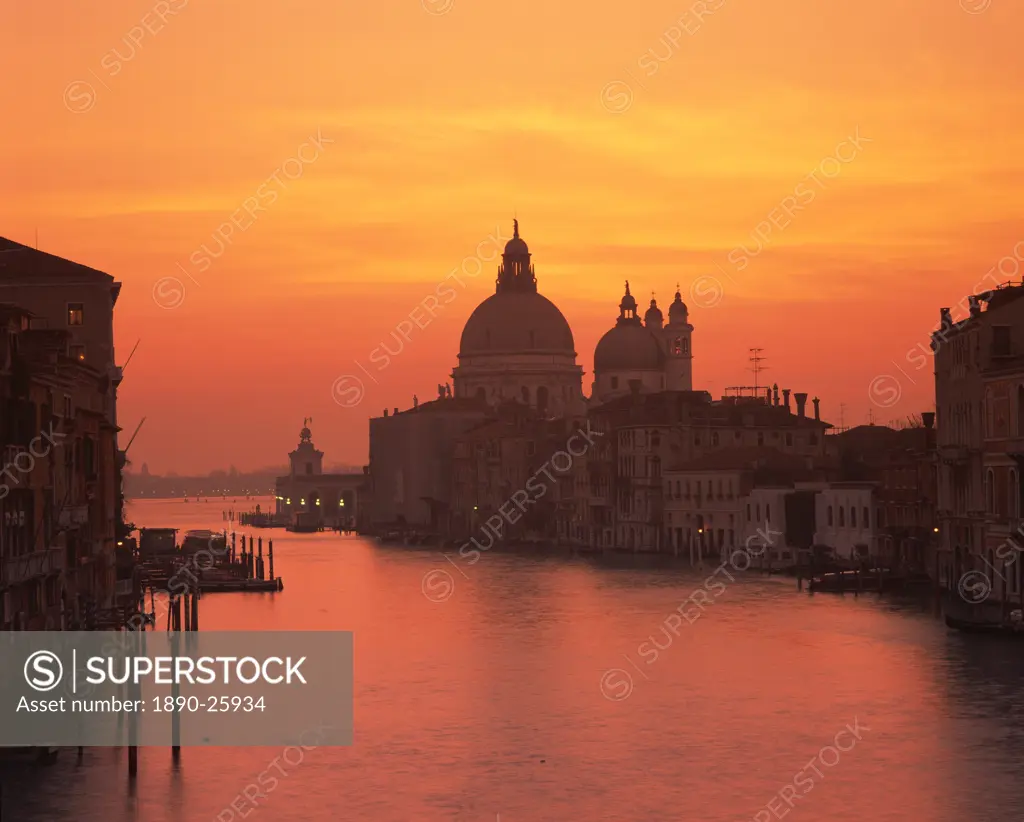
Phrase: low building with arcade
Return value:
(310, 500)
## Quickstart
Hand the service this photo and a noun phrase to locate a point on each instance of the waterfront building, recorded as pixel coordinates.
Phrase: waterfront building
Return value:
(718, 502)
(846, 520)
(308, 499)
(965, 352)
(651, 434)
(902, 465)
(650, 355)
(518, 345)
(505, 472)
(1003, 460)
(68, 296)
(411, 457)
(59, 507)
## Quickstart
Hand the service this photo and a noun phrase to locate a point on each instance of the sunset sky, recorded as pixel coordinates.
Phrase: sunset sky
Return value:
(643, 141)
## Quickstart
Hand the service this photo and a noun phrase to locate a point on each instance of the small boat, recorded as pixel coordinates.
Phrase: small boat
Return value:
(970, 626)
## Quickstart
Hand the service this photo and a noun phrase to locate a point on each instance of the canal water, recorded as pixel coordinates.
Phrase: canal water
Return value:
(526, 689)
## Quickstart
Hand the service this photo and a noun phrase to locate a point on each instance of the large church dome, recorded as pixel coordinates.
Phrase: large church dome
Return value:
(516, 319)
(517, 345)
(516, 322)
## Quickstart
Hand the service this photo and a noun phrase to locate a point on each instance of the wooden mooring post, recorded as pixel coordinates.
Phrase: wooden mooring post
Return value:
(259, 561)
(270, 555)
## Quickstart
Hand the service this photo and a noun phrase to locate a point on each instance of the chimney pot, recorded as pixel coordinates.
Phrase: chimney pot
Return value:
(785, 398)
(817, 410)
(928, 419)
(801, 403)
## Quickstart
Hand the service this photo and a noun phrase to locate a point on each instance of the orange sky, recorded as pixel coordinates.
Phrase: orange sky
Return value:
(644, 141)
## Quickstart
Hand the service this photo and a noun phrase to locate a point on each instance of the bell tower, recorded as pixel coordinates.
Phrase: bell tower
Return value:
(677, 335)
(306, 459)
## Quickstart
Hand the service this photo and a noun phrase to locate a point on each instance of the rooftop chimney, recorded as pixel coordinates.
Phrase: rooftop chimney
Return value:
(396, 412)
(801, 403)
(928, 419)
(776, 390)
(785, 399)
(385, 412)
(817, 410)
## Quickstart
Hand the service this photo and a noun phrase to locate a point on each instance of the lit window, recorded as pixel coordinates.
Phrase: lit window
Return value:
(78, 352)
(76, 314)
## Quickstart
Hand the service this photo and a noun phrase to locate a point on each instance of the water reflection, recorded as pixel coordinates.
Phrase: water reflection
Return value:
(490, 702)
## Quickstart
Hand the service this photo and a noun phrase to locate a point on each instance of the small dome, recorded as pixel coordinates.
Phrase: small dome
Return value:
(517, 245)
(628, 348)
(677, 312)
(654, 318)
(628, 303)
(516, 322)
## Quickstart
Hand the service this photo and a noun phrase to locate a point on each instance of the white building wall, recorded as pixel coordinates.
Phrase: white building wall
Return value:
(845, 521)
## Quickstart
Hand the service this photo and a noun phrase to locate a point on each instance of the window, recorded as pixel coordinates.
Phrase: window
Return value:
(76, 314)
(789, 440)
(615, 383)
(686, 346)
(67, 406)
(78, 352)
(767, 513)
(853, 517)
(714, 438)
(677, 346)
(748, 512)
(1001, 341)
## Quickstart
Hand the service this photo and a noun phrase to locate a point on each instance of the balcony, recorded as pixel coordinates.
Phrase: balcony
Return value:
(28, 566)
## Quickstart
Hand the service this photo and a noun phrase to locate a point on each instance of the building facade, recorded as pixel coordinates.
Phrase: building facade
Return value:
(60, 485)
(308, 499)
(968, 354)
